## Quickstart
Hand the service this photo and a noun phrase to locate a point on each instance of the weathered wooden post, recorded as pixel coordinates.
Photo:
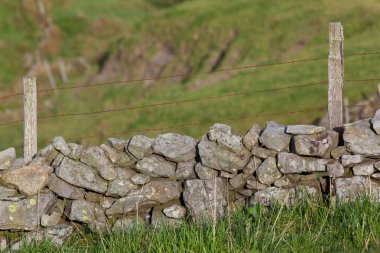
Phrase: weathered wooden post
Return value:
(335, 75)
(30, 118)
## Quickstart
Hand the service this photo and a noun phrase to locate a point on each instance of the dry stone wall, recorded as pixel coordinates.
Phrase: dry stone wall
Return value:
(174, 178)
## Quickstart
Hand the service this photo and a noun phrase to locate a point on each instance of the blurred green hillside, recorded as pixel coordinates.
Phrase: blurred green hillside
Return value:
(113, 40)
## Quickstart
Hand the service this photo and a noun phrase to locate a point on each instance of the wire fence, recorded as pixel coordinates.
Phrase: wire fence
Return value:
(194, 100)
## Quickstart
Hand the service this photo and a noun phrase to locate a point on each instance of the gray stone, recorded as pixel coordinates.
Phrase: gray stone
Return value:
(219, 158)
(319, 144)
(81, 175)
(377, 165)
(175, 211)
(348, 189)
(117, 143)
(24, 213)
(60, 144)
(125, 223)
(106, 202)
(49, 152)
(140, 146)
(348, 160)
(41, 162)
(376, 176)
(364, 169)
(185, 170)
(64, 189)
(54, 215)
(263, 153)
(238, 181)
(255, 185)
(251, 139)
(120, 188)
(76, 151)
(175, 147)
(6, 192)
(304, 192)
(204, 172)
(153, 193)
(57, 235)
(291, 163)
(268, 172)
(7, 158)
(304, 129)
(82, 210)
(226, 174)
(275, 195)
(156, 166)
(231, 143)
(158, 218)
(92, 197)
(18, 163)
(205, 199)
(375, 121)
(284, 182)
(274, 137)
(335, 169)
(216, 129)
(96, 158)
(246, 192)
(338, 152)
(252, 166)
(27, 180)
(140, 179)
(361, 139)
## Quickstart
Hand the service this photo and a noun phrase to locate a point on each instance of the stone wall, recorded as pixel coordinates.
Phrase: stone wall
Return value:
(173, 177)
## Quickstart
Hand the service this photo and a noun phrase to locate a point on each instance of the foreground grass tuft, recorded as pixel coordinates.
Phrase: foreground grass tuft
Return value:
(308, 227)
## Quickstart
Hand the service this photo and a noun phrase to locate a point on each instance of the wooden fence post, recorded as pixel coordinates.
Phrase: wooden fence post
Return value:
(30, 118)
(335, 75)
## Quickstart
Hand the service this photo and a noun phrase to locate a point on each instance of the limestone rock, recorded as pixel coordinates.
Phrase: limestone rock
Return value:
(274, 137)
(106, 202)
(205, 199)
(338, 152)
(82, 210)
(319, 144)
(226, 174)
(19, 162)
(54, 215)
(263, 153)
(252, 166)
(255, 185)
(153, 193)
(117, 157)
(81, 175)
(348, 189)
(291, 163)
(76, 151)
(216, 129)
(140, 146)
(24, 213)
(128, 222)
(57, 235)
(204, 172)
(119, 144)
(175, 147)
(27, 180)
(96, 158)
(57, 160)
(304, 129)
(120, 188)
(125, 173)
(156, 166)
(60, 144)
(377, 165)
(348, 160)
(6, 192)
(219, 158)
(238, 181)
(274, 195)
(175, 211)
(185, 170)
(307, 192)
(7, 158)
(335, 169)
(268, 172)
(284, 182)
(375, 121)
(140, 179)
(231, 143)
(64, 189)
(361, 139)
(158, 217)
(364, 169)
(251, 139)
(92, 197)
(376, 176)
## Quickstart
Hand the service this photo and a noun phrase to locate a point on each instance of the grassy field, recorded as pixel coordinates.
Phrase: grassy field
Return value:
(308, 227)
(266, 32)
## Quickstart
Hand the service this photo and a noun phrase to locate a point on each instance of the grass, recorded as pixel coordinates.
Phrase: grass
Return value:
(307, 227)
(267, 32)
